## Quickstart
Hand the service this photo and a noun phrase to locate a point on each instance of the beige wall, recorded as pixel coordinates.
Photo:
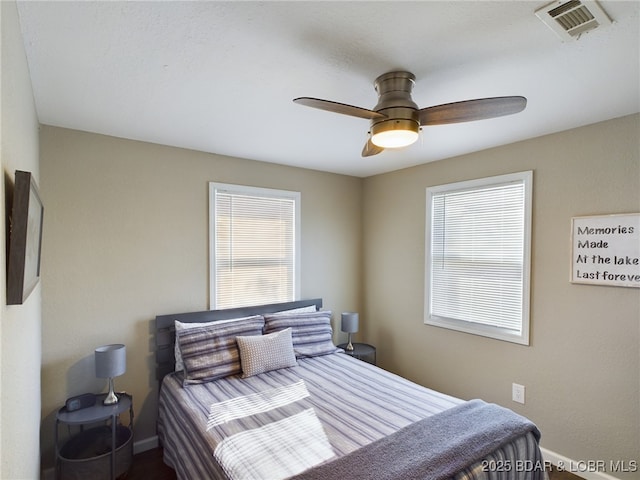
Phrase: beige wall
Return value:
(20, 327)
(126, 240)
(582, 370)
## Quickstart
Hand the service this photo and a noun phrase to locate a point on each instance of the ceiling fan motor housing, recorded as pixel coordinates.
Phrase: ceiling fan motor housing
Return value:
(395, 102)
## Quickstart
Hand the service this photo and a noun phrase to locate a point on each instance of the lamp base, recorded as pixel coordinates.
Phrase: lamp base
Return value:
(349, 346)
(111, 398)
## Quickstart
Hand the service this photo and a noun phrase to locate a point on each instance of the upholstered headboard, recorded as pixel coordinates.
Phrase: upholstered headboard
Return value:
(165, 330)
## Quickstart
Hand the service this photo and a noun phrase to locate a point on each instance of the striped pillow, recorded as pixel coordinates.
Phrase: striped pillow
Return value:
(185, 326)
(210, 352)
(266, 352)
(311, 332)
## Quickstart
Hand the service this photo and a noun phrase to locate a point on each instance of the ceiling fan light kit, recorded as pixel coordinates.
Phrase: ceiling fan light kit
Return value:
(396, 119)
(394, 133)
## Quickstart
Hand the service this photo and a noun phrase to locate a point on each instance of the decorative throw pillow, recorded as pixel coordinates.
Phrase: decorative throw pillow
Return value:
(311, 332)
(265, 353)
(184, 326)
(211, 352)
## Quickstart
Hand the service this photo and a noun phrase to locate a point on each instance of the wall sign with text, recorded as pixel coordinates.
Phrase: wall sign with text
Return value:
(606, 250)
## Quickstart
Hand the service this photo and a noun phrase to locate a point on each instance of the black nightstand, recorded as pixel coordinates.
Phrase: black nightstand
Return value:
(361, 351)
(99, 452)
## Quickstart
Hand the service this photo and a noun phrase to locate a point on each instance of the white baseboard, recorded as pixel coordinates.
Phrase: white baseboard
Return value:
(589, 470)
(146, 444)
(138, 447)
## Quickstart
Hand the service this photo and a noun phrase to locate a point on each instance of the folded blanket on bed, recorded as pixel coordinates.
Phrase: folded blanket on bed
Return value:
(434, 448)
(277, 450)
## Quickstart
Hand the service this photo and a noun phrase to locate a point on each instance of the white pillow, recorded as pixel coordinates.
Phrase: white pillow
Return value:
(309, 309)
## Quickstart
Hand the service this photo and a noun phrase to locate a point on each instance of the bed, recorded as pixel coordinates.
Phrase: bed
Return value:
(263, 393)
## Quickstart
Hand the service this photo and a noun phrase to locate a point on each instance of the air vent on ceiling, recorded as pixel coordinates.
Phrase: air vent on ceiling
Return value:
(570, 19)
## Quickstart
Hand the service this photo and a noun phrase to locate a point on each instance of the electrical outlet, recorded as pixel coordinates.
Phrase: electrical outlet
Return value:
(517, 393)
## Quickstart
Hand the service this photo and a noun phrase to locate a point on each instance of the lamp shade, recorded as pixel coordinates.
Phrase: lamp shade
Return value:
(349, 322)
(111, 361)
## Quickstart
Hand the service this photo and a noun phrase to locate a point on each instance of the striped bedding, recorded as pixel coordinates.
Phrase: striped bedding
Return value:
(355, 402)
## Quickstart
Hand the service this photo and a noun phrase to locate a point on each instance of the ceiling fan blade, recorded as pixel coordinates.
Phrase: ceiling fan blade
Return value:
(470, 110)
(337, 107)
(370, 149)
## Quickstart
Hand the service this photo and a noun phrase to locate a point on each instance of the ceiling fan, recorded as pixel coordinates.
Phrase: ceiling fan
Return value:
(396, 119)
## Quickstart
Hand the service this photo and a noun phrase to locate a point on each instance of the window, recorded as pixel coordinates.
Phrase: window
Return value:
(478, 236)
(254, 238)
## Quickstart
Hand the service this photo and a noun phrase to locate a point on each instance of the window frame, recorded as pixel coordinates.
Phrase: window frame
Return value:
(526, 178)
(214, 187)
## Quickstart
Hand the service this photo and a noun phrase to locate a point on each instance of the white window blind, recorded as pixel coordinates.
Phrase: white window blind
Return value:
(254, 252)
(477, 272)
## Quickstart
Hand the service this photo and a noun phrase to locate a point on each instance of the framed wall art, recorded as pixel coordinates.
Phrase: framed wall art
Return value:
(605, 250)
(25, 239)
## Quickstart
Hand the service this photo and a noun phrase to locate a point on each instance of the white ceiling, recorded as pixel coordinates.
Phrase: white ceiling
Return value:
(220, 76)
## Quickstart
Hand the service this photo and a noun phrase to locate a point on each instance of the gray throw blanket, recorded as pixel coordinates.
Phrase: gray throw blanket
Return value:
(435, 448)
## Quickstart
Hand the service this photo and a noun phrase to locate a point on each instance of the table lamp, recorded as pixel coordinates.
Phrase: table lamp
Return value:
(350, 325)
(111, 361)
